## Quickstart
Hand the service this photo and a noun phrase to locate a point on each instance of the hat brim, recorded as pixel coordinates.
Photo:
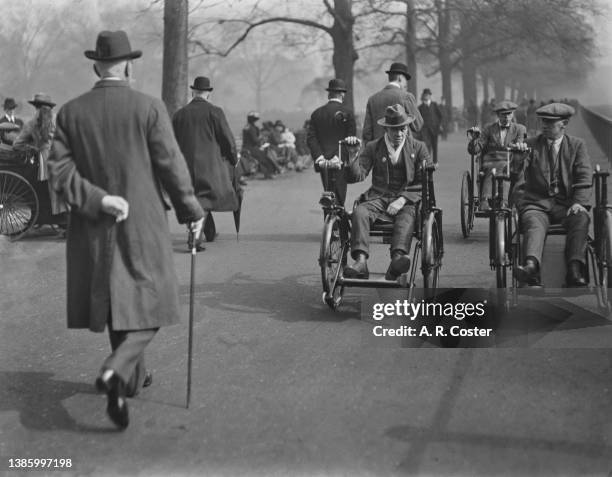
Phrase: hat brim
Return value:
(132, 55)
(505, 110)
(201, 89)
(399, 72)
(555, 118)
(382, 123)
(42, 103)
(339, 90)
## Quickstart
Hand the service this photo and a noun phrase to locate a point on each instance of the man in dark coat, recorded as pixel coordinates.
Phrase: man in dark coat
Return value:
(113, 152)
(555, 186)
(396, 163)
(208, 145)
(8, 136)
(432, 123)
(491, 146)
(329, 124)
(394, 93)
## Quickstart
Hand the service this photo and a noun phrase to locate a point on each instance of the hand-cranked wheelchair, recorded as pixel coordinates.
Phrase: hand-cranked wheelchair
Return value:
(471, 200)
(24, 201)
(505, 251)
(336, 243)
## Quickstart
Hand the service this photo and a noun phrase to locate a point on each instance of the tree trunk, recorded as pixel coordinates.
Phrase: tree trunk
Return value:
(410, 42)
(485, 85)
(175, 62)
(345, 55)
(468, 76)
(499, 87)
(444, 55)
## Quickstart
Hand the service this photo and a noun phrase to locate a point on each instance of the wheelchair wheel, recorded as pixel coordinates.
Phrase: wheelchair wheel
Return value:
(18, 205)
(432, 256)
(467, 205)
(500, 237)
(332, 259)
(605, 258)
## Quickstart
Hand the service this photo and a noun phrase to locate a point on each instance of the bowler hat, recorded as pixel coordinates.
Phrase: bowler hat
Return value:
(555, 111)
(336, 84)
(426, 91)
(41, 99)
(399, 68)
(253, 115)
(112, 46)
(201, 83)
(9, 103)
(395, 117)
(505, 106)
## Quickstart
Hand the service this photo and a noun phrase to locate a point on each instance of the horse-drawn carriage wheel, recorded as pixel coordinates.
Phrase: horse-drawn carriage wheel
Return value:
(466, 204)
(332, 260)
(432, 256)
(18, 205)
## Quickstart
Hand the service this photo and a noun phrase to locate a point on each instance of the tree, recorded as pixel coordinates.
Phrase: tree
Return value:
(175, 62)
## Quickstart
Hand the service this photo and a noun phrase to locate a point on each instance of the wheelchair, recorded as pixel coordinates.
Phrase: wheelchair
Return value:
(336, 243)
(471, 199)
(505, 251)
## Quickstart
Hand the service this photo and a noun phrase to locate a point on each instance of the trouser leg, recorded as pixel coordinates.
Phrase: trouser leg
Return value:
(403, 229)
(534, 224)
(127, 357)
(363, 216)
(577, 226)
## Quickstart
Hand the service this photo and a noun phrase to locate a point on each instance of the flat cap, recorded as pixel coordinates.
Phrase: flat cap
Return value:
(555, 111)
(505, 106)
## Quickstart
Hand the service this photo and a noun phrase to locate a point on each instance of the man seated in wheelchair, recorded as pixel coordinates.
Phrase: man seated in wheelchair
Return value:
(491, 145)
(554, 186)
(395, 160)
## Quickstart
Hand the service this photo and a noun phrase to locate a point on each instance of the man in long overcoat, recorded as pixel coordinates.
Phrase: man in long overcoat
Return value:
(329, 124)
(555, 186)
(395, 92)
(113, 151)
(208, 145)
(432, 123)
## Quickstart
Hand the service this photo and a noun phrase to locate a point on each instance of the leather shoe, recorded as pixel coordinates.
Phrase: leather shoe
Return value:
(529, 274)
(575, 277)
(148, 379)
(359, 269)
(400, 263)
(111, 383)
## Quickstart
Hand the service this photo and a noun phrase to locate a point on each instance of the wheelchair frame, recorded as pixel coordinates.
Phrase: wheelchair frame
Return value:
(336, 238)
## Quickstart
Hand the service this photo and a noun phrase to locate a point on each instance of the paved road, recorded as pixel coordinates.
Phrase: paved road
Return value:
(284, 386)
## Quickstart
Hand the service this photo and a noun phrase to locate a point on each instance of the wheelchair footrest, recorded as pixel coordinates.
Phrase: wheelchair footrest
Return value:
(369, 283)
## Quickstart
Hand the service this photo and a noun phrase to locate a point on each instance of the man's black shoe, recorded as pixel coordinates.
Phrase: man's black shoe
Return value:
(357, 270)
(114, 387)
(399, 264)
(148, 379)
(529, 274)
(575, 277)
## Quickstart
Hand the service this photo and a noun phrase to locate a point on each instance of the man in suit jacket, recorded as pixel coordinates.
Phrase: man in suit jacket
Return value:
(491, 145)
(208, 145)
(113, 152)
(329, 124)
(555, 186)
(9, 135)
(396, 164)
(394, 93)
(432, 123)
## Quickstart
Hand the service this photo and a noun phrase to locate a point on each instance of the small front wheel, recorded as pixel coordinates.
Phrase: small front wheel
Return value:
(432, 252)
(332, 259)
(466, 205)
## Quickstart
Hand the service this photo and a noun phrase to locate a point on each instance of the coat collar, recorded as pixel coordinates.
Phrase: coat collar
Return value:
(111, 83)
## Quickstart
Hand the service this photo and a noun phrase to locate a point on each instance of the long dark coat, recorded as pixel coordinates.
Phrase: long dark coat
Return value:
(113, 140)
(209, 148)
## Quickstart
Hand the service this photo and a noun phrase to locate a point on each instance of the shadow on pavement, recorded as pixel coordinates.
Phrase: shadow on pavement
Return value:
(38, 400)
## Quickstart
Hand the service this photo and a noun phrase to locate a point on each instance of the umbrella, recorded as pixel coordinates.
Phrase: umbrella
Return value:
(192, 244)
(240, 193)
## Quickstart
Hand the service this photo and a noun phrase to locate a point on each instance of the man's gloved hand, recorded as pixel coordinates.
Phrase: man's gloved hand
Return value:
(319, 161)
(519, 146)
(352, 141)
(334, 163)
(196, 227)
(116, 206)
(395, 206)
(576, 209)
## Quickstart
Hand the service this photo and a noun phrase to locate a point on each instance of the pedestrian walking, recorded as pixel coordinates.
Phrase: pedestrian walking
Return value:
(329, 124)
(113, 155)
(432, 123)
(208, 145)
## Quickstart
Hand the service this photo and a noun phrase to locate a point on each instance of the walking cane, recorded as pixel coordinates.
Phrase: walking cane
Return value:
(191, 293)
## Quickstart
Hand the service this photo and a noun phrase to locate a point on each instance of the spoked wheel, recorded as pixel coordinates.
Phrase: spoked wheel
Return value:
(332, 260)
(432, 252)
(605, 260)
(466, 205)
(18, 205)
(501, 232)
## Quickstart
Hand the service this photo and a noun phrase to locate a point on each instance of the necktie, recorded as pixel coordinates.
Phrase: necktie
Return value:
(552, 167)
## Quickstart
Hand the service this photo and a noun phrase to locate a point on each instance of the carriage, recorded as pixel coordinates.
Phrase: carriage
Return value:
(427, 246)
(24, 200)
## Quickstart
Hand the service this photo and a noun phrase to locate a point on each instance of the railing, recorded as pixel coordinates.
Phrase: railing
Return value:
(601, 129)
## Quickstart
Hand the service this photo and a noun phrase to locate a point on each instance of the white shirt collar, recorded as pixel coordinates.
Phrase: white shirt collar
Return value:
(394, 83)
(394, 153)
(337, 100)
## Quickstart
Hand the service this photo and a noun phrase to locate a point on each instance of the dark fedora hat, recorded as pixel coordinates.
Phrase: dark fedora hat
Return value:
(41, 99)
(336, 84)
(201, 83)
(426, 91)
(9, 103)
(112, 46)
(399, 68)
(395, 117)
